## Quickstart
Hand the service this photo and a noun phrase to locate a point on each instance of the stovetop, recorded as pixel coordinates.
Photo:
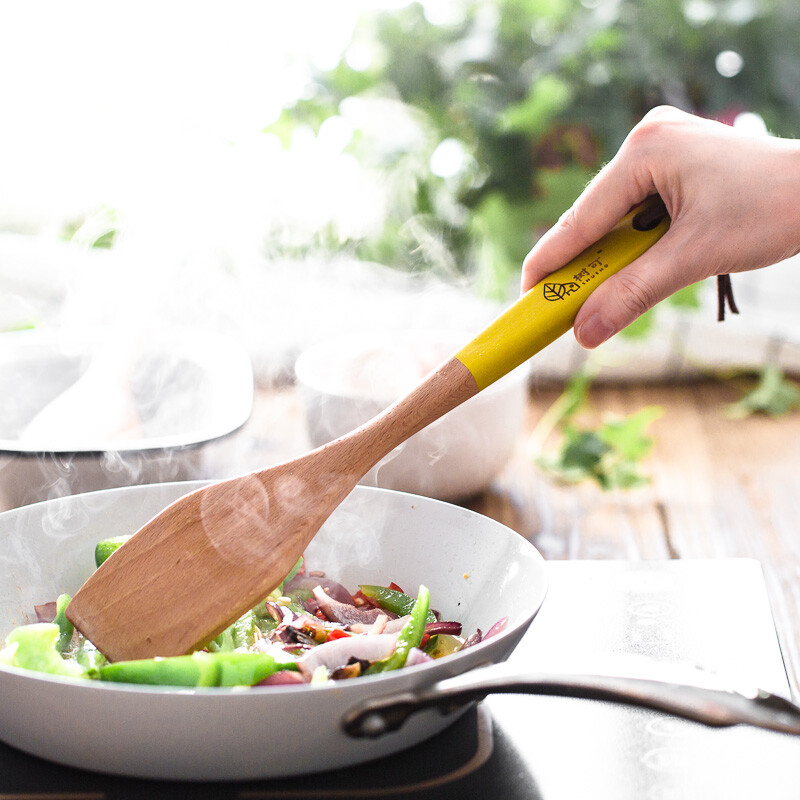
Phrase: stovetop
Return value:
(713, 614)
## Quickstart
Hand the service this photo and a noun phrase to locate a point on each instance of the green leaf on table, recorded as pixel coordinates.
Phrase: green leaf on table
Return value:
(608, 455)
(628, 436)
(773, 395)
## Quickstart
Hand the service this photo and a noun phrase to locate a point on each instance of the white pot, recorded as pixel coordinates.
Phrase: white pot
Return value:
(347, 380)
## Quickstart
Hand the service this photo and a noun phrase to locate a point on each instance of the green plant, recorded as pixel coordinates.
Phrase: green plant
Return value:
(535, 95)
(773, 395)
(608, 454)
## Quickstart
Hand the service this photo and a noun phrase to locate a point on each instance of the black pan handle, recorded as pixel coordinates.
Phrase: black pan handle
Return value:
(705, 699)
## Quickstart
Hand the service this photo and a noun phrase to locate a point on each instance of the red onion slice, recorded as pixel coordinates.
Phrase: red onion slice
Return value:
(283, 677)
(417, 656)
(307, 583)
(498, 627)
(344, 613)
(338, 652)
(46, 612)
(396, 625)
(450, 628)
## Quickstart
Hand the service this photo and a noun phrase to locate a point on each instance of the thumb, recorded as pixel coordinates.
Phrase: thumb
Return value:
(603, 203)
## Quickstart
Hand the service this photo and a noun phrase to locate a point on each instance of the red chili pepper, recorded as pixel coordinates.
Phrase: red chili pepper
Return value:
(360, 600)
(337, 633)
(394, 586)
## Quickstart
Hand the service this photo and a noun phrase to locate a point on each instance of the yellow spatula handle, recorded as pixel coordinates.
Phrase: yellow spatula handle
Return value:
(549, 309)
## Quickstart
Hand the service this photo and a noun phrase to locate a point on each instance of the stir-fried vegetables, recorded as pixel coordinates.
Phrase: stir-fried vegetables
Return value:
(310, 629)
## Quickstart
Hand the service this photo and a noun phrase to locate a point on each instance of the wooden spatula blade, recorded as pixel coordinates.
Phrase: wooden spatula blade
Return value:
(207, 558)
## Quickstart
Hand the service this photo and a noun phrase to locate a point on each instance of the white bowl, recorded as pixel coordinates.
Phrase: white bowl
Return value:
(477, 570)
(346, 381)
(91, 409)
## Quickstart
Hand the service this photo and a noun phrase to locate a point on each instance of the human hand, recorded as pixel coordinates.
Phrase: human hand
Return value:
(732, 198)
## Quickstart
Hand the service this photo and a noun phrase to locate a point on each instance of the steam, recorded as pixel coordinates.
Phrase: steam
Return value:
(98, 406)
(95, 409)
(348, 541)
(202, 203)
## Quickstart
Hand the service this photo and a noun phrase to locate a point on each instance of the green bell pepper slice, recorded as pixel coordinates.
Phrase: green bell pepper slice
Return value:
(35, 647)
(107, 547)
(410, 636)
(392, 600)
(65, 627)
(197, 669)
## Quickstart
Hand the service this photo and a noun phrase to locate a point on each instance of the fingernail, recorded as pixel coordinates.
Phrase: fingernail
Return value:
(594, 331)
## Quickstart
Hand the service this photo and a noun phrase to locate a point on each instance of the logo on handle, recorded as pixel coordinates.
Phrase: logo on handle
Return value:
(558, 291)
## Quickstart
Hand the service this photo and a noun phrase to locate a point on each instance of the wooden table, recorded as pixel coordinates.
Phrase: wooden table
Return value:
(720, 488)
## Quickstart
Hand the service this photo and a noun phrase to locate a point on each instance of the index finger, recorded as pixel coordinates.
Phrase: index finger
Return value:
(604, 202)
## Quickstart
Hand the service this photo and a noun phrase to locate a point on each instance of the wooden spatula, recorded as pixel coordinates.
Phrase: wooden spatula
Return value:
(210, 556)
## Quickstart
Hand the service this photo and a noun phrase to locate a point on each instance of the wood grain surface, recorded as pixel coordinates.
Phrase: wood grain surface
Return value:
(719, 488)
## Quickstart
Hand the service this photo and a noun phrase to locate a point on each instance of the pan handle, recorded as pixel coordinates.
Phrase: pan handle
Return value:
(704, 698)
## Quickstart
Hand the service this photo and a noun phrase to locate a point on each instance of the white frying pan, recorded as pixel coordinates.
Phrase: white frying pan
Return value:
(478, 571)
